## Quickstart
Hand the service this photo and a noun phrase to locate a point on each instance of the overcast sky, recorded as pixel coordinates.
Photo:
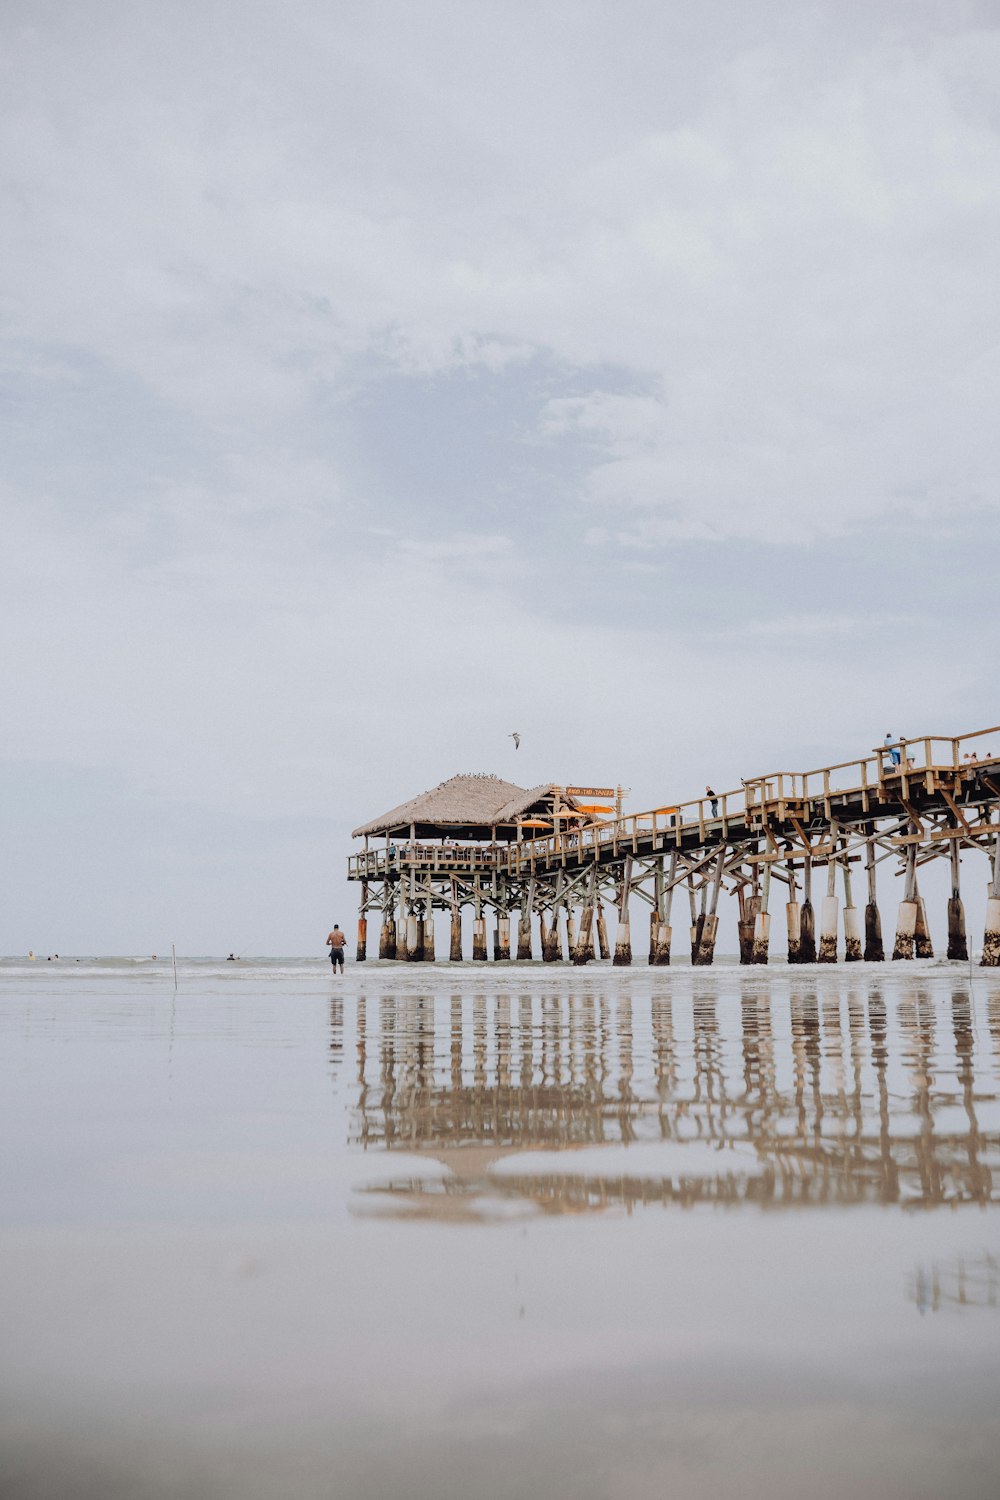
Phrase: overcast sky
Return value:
(380, 378)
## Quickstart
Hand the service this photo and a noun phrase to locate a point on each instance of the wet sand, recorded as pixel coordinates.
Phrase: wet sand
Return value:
(498, 1231)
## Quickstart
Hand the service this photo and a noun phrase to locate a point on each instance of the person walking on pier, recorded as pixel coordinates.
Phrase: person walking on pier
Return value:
(713, 798)
(337, 942)
(893, 748)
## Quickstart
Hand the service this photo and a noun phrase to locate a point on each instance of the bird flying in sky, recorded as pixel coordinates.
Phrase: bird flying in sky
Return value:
(517, 740)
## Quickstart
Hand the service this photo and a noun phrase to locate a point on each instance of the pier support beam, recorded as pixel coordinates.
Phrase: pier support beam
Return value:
(749, 907)
(362, 949)
(570, 931)
(958, 946)
(455, 946)
(874, 949)
(661, 948)
(991, 934)
(583, 950)
(479, 939)
(427, 952)
(524, 934)
(401, 931)
(807, 920)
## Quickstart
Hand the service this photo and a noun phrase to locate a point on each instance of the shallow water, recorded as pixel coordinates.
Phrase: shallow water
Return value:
(498, 1231)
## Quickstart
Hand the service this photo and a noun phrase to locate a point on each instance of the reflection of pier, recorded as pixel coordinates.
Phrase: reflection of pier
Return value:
(965, 1282)
(813, 1099)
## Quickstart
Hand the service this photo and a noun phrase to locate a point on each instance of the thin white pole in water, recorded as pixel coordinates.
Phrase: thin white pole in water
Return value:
(173, 950)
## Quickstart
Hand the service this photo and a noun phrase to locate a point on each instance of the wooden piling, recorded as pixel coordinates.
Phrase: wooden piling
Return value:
(807, 920)
(958, 946)
(427, 952)
(524, 935)
(362, 948)
(455, 946)
(793, 925)
(874, 948)
(401, 930)
(501, 951)
(479, 939)
(661, 955)
(570, 931)
(583, 950)
(387, 936)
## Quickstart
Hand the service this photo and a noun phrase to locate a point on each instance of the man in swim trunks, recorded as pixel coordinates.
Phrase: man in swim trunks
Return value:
(337, 942)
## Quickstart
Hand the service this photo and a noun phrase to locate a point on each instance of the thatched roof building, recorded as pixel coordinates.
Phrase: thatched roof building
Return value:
(476, 808)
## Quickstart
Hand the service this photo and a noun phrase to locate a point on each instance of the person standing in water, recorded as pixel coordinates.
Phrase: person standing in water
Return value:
(337, 942)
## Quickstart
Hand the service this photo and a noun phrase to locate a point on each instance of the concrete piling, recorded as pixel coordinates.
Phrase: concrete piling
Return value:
(414, 938)
(455, 946)
(387, 936)
(793, 925)
(603, 946)
(762, 922)
(479, 939)
(501, 950)
(623, 937)
(708, 929)
(428, 954)
(524, 935)
(906, 924)
(852, 920)
(570, 931)
(550, 939)
(583, 950)
(829, 913)
(747, 922)
(906, 921)
(654, 928)
(623, 942)
(922, 944)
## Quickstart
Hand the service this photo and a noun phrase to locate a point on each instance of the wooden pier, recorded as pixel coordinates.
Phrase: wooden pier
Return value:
(551, 859)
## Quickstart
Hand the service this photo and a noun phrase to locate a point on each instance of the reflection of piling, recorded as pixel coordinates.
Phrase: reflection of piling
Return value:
(991, 934)
(958, 946)
(874, 949)
(387, 937)
(807, 920)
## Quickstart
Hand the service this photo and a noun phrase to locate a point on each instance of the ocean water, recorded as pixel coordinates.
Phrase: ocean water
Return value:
(498, 1230)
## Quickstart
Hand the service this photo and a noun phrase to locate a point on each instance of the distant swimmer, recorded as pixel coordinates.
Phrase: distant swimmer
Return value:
(30, 954)
(337, 942)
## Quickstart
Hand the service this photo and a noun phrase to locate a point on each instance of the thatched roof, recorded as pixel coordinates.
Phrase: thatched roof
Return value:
(463, 807)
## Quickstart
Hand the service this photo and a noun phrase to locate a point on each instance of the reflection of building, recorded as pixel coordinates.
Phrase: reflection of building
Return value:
(817, 1099)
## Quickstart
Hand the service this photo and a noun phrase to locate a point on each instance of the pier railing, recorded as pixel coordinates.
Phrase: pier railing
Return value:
(891, 773)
